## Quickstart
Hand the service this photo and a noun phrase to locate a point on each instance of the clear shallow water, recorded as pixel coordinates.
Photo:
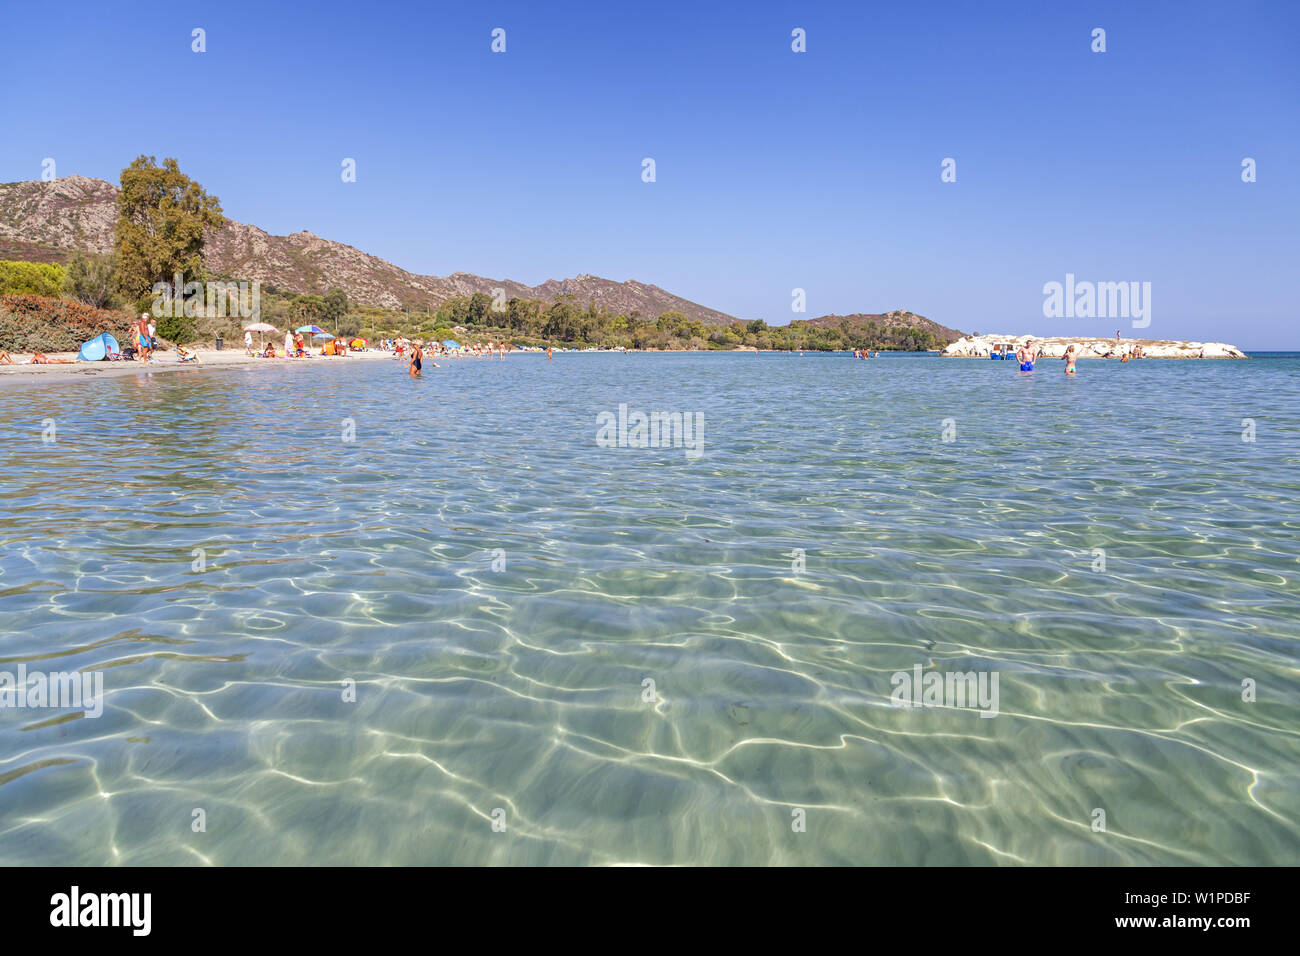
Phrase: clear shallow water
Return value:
(521, 689)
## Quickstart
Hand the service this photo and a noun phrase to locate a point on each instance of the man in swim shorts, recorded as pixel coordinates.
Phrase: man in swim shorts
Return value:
(143, 341)
(1026, 355)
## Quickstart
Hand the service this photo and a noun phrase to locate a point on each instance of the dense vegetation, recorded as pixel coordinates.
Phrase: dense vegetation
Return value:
(564, 322)
(31, 278)
(31, 323)
(521, 322)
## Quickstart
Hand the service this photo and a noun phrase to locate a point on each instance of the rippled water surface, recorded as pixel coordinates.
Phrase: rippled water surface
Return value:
(500, 588)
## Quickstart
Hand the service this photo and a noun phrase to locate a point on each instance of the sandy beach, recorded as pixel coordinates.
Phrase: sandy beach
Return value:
(170, 362)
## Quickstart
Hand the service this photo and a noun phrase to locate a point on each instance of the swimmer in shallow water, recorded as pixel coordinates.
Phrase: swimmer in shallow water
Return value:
(1069, 358)
(416, 361)
(1026, 356)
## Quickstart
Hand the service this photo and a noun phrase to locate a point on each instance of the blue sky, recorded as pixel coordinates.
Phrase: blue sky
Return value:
(775, 169)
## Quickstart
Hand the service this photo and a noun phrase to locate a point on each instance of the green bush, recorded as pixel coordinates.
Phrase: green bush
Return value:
(31, 278)
(179, 329)
(91, 279)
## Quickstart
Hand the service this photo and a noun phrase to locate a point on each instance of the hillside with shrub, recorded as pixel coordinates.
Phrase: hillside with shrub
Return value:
(108, 248)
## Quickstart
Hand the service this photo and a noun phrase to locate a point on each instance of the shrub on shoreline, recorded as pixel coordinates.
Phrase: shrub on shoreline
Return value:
(35, 323)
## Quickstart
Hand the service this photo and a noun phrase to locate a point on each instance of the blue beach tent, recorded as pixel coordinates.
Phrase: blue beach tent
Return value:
(450, 344)
(99, 348)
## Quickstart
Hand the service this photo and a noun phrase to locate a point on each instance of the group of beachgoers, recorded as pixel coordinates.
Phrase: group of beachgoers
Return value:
(295, 346)
(1028, 354)
(143, 332)
(417, 351)
(142, 335)
(863, 353)
(143, 344)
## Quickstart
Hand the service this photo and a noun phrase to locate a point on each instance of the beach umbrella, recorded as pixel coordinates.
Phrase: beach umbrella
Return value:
(259, 328)
(313, 329)
(450, 344)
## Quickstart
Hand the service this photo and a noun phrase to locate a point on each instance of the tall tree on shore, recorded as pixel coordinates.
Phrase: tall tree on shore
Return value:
(161, 216)
(91, 279)
(334, 307)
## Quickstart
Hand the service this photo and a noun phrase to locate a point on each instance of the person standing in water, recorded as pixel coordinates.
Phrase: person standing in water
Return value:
(548, 353)
(1069, 359)
(1026, 355)
(416, 361)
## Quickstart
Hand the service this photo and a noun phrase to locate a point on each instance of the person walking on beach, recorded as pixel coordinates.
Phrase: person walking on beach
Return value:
(142, 337)
(248, 342)
(416, 361)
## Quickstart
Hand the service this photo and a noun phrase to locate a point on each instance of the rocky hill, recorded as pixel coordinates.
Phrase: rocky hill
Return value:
(46, 221)
(898, 319)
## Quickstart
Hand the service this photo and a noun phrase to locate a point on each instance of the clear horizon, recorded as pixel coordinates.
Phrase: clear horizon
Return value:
(775, 170)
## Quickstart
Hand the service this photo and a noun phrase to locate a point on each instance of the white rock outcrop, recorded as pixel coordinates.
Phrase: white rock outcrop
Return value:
(980, 346)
